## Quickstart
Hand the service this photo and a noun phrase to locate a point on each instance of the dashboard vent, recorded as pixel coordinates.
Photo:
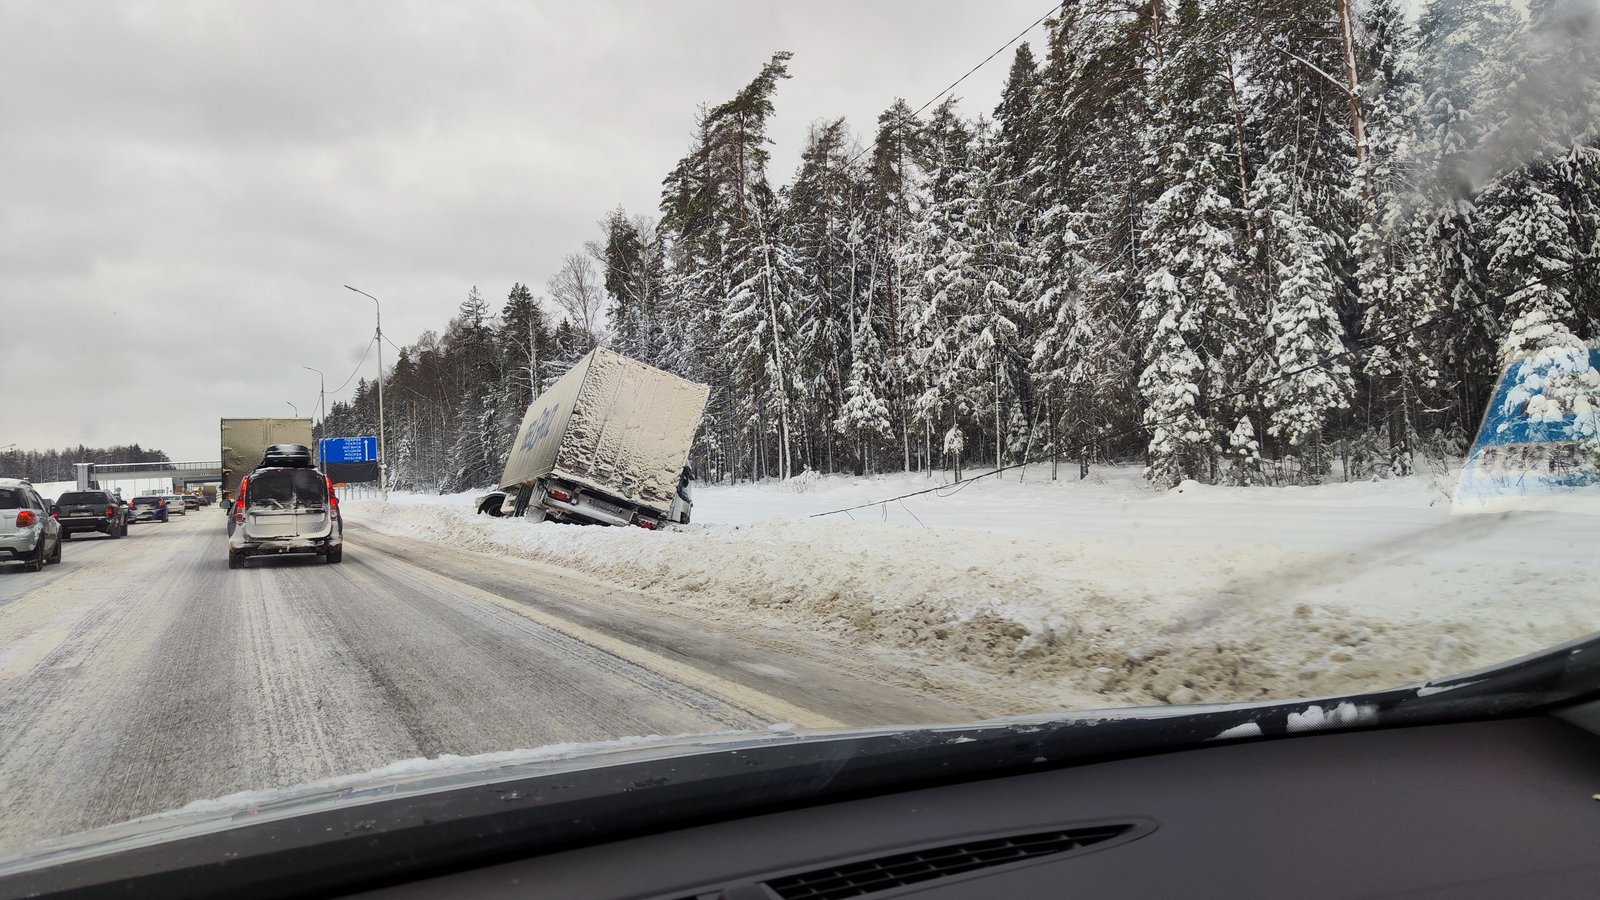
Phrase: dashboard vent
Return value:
(885, 872)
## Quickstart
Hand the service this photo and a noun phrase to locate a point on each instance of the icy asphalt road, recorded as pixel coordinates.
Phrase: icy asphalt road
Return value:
(142, 673)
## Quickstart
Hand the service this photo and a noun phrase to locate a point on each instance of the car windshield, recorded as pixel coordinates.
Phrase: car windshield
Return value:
(574, 376)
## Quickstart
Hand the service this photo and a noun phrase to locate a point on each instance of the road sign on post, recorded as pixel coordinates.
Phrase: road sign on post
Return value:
(350, 459)
(349, 450)
(1530, 453)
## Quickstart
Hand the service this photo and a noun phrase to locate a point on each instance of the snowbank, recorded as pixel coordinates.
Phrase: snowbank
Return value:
(1098, 592)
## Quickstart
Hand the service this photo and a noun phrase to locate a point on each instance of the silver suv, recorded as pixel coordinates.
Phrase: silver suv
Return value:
(285, 510)
(29, 533)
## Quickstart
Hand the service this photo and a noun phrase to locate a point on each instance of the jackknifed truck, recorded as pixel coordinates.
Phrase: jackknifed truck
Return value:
(607, 444)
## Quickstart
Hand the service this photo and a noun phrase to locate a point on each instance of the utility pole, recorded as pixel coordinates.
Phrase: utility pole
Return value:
(383, 468)
(322, 412)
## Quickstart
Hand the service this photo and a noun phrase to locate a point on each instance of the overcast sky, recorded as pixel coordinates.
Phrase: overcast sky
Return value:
(185, 186)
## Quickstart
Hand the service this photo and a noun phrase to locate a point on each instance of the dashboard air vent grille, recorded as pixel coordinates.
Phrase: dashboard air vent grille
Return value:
(885, 872)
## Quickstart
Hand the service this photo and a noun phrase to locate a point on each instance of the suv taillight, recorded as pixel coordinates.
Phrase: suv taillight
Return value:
(26, 519)
(111, 511)
(558, 494)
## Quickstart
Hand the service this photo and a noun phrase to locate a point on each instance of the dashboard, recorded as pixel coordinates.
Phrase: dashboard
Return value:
(1494, 808)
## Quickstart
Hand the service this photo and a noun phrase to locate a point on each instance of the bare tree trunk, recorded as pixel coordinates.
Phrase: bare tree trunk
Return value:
(999, 435)
(1239, 153)
(1358, 124)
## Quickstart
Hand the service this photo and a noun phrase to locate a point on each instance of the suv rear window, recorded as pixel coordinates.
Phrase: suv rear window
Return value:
(287, 487)
(11, 498)
(82, 497)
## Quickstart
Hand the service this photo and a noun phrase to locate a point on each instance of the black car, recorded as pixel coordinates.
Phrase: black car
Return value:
(148, 509)
(81, 511)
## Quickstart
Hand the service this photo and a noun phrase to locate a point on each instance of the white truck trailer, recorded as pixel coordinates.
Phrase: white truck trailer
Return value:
(607, 444)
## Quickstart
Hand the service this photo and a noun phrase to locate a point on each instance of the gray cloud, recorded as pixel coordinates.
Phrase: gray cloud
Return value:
(184, 186)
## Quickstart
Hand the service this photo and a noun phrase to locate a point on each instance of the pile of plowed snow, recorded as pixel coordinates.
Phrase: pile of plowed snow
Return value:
(1099, 591)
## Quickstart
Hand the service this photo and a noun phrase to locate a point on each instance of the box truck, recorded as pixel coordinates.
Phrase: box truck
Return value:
(607, 444)
(245, 440)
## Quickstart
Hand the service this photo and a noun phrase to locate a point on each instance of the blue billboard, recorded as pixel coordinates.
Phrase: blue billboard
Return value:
(1523, 461)
(349, 450)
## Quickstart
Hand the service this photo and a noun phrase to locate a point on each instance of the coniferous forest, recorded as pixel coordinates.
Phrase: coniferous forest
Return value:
(1273, 241)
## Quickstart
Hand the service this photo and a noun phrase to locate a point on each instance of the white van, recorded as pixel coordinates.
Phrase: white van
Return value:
(282, 511)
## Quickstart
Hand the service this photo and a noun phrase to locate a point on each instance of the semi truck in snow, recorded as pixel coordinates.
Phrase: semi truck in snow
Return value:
(607, 444)
(245, 440)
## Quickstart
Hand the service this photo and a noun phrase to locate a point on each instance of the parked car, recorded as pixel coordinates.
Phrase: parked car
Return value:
(84, 511)
(149, 508)
(28, 533)
(190, 501)
(285, 510)
(175, 505)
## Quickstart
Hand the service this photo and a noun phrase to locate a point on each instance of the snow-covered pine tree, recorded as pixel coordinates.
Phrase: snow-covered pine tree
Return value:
(1467, 53)
(938, 233)
(1086, 196)
(1191, 263)
(896, 188)
(474, 450)
(1395, 267)
(1307, 346)
(819, 222)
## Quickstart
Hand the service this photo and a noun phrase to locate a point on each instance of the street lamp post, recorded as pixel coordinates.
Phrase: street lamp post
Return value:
(294, 409)
(383, 467)
(322, 411)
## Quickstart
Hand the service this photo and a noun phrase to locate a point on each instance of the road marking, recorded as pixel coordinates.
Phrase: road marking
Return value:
(731, 692)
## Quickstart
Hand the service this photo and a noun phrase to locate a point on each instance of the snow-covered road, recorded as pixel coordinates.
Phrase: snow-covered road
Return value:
(142, 674)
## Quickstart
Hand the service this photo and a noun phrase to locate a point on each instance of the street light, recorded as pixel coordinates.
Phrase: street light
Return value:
(383, 468)
(322, 410)
(294, 409)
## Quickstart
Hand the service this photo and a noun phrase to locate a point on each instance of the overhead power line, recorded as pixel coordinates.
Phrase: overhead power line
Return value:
(357, 369)
(954, 84)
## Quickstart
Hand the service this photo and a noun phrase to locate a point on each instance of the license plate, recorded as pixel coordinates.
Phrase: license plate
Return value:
(603, 506)
(81, 512)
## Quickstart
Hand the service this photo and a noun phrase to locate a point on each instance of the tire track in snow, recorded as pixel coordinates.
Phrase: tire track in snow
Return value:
(155, 676)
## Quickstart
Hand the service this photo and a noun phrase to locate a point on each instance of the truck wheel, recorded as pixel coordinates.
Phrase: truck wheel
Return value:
(491, 505)
(684, 519)
(334, 554)
(235, 560)
(118, 530)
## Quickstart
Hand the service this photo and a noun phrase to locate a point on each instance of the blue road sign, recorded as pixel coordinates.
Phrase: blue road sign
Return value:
(349, 450)
(1519, 462)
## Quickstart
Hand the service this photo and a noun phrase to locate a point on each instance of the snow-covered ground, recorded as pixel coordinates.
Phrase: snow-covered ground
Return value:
(1102, 591)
